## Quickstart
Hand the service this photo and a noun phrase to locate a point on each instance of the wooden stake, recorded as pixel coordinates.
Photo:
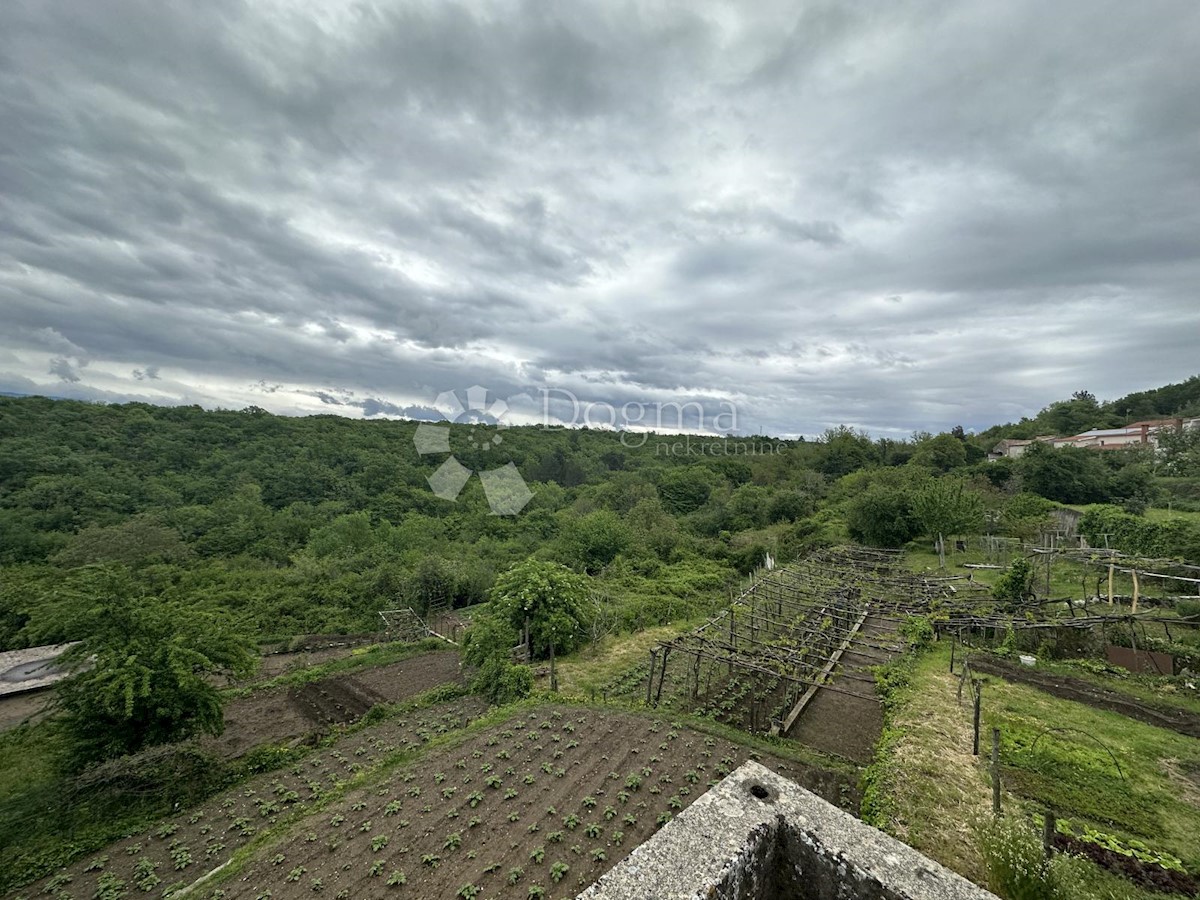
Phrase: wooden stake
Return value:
(1136, 591)
(978, 685)
(1111, 570)
(663, 676)
(650, 679)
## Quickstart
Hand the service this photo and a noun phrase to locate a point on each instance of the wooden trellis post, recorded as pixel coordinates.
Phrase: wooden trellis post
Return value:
(662, 677)
(977, 684)
(650, 678)
(732, 640)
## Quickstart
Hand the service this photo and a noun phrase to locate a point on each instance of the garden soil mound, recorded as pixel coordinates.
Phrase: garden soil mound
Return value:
(1081, 691)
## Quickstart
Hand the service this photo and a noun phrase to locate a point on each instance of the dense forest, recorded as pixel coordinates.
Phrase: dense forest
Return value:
(287, 526)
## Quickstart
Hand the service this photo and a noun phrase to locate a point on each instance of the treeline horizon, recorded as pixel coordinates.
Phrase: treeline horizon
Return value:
(290, 525)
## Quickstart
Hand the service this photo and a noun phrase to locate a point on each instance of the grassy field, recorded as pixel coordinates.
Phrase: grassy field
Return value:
(1123, 777)
(586, 672)
(1068, 579)
(931, 789)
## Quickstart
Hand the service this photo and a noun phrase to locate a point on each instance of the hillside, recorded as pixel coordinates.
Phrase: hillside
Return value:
(1083, 412)
(300, 525)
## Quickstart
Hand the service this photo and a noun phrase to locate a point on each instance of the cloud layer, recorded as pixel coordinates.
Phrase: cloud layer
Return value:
(896, 215)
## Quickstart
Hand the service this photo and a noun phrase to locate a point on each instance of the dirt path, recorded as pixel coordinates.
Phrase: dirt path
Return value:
(1081, 691)
(836, 722)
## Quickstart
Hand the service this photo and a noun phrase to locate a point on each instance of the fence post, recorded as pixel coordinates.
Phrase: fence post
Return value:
(977, 684)
(662, 676)
(995, 771)
(1049, 828)
(650, 677)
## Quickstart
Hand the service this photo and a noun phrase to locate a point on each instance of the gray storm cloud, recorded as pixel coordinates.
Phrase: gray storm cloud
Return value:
(897, 215)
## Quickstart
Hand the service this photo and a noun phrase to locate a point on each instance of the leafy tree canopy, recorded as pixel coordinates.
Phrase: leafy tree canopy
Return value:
(143, 667)
(550, 597)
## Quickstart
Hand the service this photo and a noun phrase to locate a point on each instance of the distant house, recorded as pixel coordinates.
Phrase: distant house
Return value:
(1139, 434)
(1011, 448)
(1008, 449)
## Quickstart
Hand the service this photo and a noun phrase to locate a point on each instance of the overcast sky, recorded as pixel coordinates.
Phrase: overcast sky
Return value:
(895, 215)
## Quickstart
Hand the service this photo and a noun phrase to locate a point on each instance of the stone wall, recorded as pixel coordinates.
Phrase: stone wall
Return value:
(758, 836)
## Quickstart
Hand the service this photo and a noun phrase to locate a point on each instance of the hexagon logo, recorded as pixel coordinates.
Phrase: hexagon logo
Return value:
(505, 489)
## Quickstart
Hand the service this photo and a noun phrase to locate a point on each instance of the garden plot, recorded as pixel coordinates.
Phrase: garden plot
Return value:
(291, 714)
(848, 723)
(182, 848)
(538, 806)
(813, 629)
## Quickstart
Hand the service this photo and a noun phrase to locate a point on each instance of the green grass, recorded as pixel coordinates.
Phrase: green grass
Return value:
(934, 788)
(1149, 688)
(1068, 578)
(1154, 796)
(27, 756)
(1156, 514)
(586, 671)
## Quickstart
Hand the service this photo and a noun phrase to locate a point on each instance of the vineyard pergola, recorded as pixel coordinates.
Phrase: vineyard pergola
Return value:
(763, 657)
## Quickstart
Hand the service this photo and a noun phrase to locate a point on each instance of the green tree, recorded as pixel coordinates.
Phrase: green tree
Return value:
(685, 489)
(653, 529)
(788, 505)
(1067, 417)
(134, 542)
(1026, 515)
(1016, 584)
(1180, 451)
(846, 451)
(1067, 475)
(550, 598)
(882, 516)
(143, 667)
(946, 506)
(941, 453)
(595, 540)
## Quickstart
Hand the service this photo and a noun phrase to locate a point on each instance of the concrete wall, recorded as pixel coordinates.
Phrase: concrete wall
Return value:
(758, 836)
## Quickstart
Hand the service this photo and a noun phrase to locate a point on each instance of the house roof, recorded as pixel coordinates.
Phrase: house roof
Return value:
(1110, 432)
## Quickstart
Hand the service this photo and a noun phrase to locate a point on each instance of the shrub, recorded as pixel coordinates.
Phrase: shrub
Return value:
(502, 681)
(1016, 866)
(1016, 584)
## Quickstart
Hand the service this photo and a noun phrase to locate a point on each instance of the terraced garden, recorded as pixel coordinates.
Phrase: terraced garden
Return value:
(539, 805)
(181, 848)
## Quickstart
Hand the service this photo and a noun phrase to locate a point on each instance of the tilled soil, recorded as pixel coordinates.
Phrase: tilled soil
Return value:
(839, 722)
(1081, 691)
(275, 664)
(181, 848)
(299, 714)
(1146, 875)
(550, 799)
(337, 701)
